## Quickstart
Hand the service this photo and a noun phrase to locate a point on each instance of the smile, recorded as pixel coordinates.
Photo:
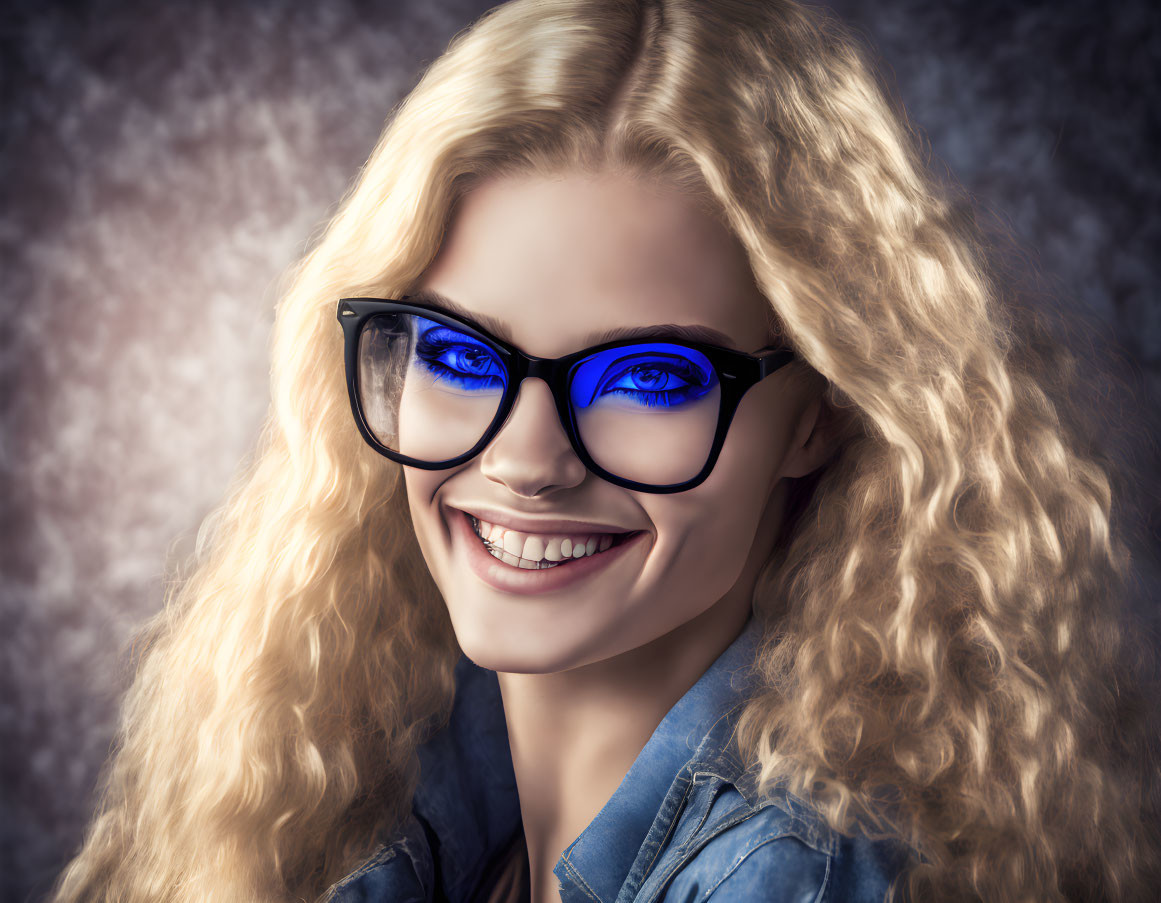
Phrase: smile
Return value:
(539, 551)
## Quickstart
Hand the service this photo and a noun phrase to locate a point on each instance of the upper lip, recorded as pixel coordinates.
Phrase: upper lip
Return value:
(526, 524)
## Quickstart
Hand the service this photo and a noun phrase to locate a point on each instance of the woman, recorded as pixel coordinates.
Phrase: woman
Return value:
(661, 289)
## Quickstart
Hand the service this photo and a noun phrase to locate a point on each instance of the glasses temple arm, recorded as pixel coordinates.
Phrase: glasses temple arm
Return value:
(772, 358)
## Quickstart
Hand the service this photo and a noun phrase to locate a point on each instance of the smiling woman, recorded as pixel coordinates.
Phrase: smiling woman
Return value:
(616, 254)
(677, 511)
(654, 609)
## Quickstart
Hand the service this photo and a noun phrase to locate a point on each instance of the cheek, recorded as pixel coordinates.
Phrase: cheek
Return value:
(708, 532)
(704, 541)
(430, 530)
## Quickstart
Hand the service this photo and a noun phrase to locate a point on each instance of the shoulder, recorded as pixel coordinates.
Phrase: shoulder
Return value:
(779, 850)
(400, 870)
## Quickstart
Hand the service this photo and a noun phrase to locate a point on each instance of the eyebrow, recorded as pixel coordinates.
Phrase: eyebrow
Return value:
(499, 329)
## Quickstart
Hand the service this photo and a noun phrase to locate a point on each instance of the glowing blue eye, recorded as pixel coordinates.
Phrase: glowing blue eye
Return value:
(458, 359)
(653, 374)
(653, 378)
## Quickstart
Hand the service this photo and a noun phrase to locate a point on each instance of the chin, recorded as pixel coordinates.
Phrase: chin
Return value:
(504, 656)
(503, 646)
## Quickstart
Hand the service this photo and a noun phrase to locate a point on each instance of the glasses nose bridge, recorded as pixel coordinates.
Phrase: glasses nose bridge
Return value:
(543, 368)
(548, 370)
(540, 367)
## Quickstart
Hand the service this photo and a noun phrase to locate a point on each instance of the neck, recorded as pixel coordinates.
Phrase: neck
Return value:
(574, 734)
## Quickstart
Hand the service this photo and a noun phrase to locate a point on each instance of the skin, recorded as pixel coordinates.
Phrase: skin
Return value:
(588, 671)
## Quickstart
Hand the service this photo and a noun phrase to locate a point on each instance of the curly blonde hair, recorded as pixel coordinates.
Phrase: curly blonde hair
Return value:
(944, 659)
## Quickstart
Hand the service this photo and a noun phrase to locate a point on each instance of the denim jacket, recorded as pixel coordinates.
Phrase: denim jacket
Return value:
(685, 825)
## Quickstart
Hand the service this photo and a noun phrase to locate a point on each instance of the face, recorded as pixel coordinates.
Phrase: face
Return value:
(557, 262)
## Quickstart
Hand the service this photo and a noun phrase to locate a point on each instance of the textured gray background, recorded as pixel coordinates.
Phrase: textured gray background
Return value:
(162, 164)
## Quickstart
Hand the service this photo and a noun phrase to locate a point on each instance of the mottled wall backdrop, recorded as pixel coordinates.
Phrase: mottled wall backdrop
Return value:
(164, 163)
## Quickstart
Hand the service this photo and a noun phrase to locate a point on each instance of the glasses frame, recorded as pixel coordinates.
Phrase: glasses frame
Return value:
(737, 373)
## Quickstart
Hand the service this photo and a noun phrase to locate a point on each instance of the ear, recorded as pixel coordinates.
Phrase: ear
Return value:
(814, 437)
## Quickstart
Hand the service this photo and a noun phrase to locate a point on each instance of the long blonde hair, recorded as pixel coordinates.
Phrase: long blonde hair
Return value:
(943, 661)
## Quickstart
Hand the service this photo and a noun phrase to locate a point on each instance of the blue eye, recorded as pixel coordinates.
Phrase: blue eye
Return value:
(457, 359)
(654, 376)
(656, 384)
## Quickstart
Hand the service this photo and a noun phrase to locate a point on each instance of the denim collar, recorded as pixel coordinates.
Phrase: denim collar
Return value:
(596, 864)
(467, 796)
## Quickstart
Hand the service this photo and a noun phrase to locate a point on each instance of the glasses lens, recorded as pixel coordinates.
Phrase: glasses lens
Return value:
(647, 412)
(428, 390)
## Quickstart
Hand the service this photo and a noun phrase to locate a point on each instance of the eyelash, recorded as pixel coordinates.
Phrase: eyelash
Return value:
(430, 348)
(430, 351)
(693, 388)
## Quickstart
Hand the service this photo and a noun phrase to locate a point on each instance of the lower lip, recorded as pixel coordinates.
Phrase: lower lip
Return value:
(528, 582)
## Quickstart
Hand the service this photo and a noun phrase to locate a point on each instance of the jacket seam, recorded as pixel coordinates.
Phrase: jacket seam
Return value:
(705, 815)
(687, 850)
(825, 879)
(818, 843)
(384, 853)
(754, 848)
(672, 824)
(580, 881)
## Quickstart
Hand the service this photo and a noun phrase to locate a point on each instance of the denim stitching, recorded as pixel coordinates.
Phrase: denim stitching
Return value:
(381, 855)
(701, 821)
(825, 880)
(746, 855)
(682, 851)
(669, 831)
(685, 854)
(580, 881)
(817, 838)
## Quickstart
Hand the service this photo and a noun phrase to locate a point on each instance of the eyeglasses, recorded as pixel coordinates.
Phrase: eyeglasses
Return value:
(431, 390)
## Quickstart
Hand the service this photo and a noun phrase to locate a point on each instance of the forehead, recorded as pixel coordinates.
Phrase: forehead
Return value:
(558, 263)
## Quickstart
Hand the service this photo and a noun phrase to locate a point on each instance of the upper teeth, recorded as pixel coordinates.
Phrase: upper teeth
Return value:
(528, 549)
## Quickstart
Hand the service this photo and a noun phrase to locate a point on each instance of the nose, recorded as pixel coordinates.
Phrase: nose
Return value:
(531, 454)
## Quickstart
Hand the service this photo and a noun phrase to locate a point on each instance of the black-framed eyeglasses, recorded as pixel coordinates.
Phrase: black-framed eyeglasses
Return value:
(431, 390)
